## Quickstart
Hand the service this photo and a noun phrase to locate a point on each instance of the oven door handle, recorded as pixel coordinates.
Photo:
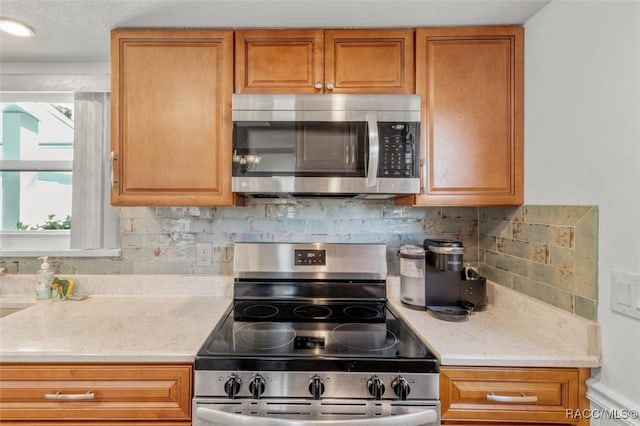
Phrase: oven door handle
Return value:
(223, 418)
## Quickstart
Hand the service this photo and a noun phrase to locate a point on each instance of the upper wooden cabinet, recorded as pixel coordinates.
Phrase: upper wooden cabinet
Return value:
(331, 61)
(279, 61)
(471, 84)
(171, 117)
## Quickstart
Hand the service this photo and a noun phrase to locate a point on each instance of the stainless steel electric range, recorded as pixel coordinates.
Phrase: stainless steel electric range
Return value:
(309, 340)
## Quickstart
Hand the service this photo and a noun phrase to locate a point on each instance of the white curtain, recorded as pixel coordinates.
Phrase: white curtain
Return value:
(94, 222)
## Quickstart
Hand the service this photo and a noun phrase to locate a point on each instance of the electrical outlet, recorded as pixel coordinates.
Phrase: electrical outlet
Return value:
(203, 254)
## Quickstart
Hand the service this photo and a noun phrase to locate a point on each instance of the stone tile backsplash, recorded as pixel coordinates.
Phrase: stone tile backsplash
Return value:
(547, 252)
(162, 240)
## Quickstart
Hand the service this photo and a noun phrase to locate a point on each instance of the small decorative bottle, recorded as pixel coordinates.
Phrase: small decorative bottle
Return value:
(44, 278)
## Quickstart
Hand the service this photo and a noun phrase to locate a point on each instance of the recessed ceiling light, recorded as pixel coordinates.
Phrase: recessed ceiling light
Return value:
(16, 28)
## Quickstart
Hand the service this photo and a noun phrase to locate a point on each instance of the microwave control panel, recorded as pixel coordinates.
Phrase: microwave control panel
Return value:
(398, 149)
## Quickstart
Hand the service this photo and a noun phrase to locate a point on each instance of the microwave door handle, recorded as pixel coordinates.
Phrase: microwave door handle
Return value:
(216, 417)
(374, 151)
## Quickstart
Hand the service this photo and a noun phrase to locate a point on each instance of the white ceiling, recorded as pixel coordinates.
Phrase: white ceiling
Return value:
(78, 30)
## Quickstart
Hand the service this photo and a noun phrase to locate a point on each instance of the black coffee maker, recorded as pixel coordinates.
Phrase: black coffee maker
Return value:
(452, 291)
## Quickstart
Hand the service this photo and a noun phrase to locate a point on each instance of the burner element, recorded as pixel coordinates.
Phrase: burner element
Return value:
(313, 311)
(362, 312)
(364, 337)
(262, 336)
(260, 311)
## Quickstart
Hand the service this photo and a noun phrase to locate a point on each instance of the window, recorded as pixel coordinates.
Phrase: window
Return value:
(37, 155)
(53, 163)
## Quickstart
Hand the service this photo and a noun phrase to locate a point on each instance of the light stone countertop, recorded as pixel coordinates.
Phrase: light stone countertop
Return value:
(514, 331)
(111, 329)
(168, 318)
(128, 318)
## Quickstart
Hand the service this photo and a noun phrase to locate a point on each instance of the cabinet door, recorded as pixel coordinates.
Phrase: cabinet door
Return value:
(471, 84)
(171, 117)
(64, 392)
(369, 61)
(511, 395)
(279, 61)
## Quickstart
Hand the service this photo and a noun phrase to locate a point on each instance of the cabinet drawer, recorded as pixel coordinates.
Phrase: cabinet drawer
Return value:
(510, 394)
(86, 392)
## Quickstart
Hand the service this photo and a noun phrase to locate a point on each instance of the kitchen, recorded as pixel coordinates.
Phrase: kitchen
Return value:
(569, 46)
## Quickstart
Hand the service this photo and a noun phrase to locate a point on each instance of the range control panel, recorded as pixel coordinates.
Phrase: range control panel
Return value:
(398, 149)
(310, 257)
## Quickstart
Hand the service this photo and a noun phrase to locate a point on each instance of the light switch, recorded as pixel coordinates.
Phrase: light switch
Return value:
(625, 293)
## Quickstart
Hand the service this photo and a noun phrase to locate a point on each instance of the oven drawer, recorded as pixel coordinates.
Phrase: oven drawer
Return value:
(543, 395)
(95, 392)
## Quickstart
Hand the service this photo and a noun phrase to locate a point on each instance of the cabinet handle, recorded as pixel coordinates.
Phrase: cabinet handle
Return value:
(506, 398)
(422, 174)
(330, 86)
(318, 85)
(70, 396)
(113, 176)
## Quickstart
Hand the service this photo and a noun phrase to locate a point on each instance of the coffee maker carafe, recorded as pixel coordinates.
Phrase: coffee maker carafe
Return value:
(447, 283)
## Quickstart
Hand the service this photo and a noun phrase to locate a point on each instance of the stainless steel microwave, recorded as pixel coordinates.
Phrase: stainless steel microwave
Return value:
(326, 145)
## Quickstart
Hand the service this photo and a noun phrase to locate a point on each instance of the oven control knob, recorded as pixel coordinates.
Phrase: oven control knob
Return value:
(232, 386)
(257, 386)
(376, 387)
(316, 386)
(401, 388)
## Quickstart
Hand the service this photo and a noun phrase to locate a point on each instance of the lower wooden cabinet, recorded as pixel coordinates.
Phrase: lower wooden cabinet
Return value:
(512, 396)
(56, 394)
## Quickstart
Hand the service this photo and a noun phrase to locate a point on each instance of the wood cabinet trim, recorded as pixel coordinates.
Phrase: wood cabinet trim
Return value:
(471, 31)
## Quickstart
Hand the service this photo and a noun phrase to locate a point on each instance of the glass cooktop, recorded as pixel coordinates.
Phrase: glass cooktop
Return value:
(347, 336)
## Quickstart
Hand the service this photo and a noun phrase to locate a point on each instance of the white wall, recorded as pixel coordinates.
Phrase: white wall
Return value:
(582, 146)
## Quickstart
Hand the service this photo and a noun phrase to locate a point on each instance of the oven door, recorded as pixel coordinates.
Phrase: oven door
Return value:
(304, 412)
